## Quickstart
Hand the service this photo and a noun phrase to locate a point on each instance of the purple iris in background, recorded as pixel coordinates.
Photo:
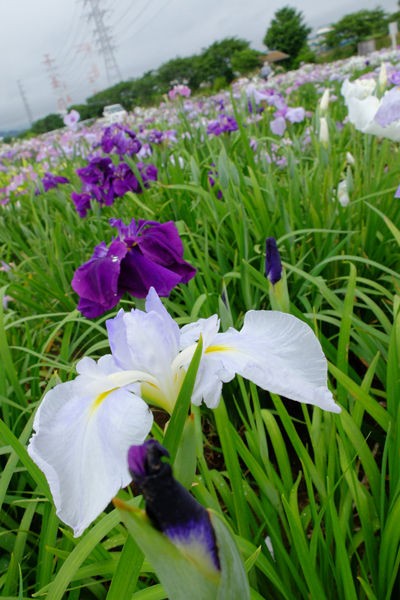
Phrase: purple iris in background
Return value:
(121, 140)
(169, 506)
(224, 124)
(103, 182)
(98, 177)
(273, 265)
(145, 254)
(51, 181)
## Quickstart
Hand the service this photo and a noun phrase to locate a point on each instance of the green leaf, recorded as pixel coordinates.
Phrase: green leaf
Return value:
(180, 576)
(174, 431)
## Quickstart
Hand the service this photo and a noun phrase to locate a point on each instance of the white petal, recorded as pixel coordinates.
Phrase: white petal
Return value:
(143, 341)
(276, 351)
(207, 328)
(81, 444)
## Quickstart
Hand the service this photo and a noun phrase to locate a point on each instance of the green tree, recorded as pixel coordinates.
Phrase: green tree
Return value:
(48, 123)
(179, 70)
(216, 60)
(246, 60)
(288, 33)
(357, 27)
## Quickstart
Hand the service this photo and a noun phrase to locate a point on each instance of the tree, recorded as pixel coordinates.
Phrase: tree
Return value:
(287, 33)
(357, 27)
(48, 123)
(246, 60)
(216, 60)
(179, 70)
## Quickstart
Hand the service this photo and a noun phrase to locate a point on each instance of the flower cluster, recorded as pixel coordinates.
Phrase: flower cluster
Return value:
(179, 90)
(143, 255)
(120, 140)
(104, 182)
(223, 124)
(84, 427)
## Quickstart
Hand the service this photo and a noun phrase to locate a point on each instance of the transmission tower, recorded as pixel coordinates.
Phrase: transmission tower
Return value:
(103, 40)
(25, 101)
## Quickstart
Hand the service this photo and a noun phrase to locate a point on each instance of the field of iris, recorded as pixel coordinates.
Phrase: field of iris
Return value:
(312, 498)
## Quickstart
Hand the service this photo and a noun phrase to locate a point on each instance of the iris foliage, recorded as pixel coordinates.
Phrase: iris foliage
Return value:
(313, 498)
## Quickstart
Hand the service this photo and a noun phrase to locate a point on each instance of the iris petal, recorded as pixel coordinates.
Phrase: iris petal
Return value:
(83, 431)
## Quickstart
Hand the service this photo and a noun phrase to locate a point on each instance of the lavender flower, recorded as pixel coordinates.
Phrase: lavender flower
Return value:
(145, 254)
(224, 124)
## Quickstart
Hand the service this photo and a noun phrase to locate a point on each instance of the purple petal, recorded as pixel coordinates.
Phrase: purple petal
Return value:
(278, 126)
(96, 281)
(170, 507)
(389, 109)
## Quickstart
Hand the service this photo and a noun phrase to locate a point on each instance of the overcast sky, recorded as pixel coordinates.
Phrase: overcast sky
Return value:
(145, 34)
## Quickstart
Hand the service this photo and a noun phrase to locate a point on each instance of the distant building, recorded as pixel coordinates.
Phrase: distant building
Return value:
(316, 40)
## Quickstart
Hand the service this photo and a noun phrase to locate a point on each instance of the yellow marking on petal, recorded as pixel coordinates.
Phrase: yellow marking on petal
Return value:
(100, 398)
(218, 349)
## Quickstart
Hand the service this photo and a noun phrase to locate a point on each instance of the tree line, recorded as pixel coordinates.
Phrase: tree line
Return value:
(219, 64)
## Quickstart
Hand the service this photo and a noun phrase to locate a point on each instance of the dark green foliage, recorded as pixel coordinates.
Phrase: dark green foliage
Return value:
(87, 111)
(216, 60)
(356, 27)
(287, 33)
(245, 60)
(48, 123)
(180, 70)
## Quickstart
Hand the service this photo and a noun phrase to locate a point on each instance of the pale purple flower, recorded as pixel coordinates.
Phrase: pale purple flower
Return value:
(71, 119)
(278, 126)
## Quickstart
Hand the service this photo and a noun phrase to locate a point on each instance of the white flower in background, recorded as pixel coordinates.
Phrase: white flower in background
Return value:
(343, 193)
(323, 132)
(324, 102)
(382, 78)
(84, 427)
(370, 114)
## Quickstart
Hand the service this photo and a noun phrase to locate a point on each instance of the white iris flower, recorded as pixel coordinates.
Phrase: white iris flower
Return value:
(84, 427)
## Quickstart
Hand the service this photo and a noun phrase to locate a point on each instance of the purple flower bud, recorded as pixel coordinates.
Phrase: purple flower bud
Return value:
(169, 506)
(273, 265)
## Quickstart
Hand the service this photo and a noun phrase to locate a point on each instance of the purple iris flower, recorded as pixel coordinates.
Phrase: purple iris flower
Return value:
(155, 136)
(145, 254)
(169, 506)
(51, 181)
(125, 180)
(148, 172)
(82, 203)
(98, 172)
(273, 265)
(98, 178)
(224, 124)
(121, 140)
